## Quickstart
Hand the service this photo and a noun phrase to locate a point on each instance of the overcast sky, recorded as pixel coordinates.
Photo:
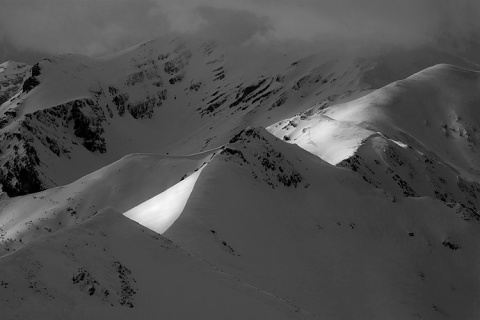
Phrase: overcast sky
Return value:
(32, 29)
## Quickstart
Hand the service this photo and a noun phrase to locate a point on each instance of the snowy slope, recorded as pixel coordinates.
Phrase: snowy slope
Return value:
(325, 137)
(414, 137)
(319, 235)
(372, 216)
(96, 271)
(435, 107)
(442, 96)
(161, 211)
(84, 113)
(121, 186)
(311, 236)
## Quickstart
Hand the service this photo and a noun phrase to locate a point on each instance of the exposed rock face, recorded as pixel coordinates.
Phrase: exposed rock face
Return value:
(405, 171)
(145, 109)
(12, 75)
(18, 176)
(250, 146)
(47, 130)
(32, 81)
(144, 82)
(87, 120)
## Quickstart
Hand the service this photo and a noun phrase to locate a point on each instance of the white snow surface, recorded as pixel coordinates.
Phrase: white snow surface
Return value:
(433, 108)
(122, 185)
(109, 267)
(194, 94)
(327, 138)
(359, 200)
(161, 211)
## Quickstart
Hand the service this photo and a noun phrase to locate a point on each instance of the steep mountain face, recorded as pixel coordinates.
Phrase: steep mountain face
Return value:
(415, 137)
(281, 226)
(96, 270)
(12, 75)
(120, 186)
(339, 186)
(74, 111)
(289, 223)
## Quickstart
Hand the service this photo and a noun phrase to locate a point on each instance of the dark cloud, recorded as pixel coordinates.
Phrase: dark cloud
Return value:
(94, 27)
(8, 51)
(86, 27)
(231, 26)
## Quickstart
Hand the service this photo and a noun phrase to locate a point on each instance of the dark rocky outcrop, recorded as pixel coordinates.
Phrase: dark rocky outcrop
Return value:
(32, 81)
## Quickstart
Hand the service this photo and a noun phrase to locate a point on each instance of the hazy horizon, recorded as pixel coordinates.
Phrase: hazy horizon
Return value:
(31, 30)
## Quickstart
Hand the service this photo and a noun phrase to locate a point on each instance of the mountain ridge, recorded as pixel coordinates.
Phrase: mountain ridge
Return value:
(331, 188)
(215, 98)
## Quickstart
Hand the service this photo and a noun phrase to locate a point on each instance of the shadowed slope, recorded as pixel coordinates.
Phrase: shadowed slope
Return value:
(109, 267)
(319, 235)
(414, 137)
(121, 185)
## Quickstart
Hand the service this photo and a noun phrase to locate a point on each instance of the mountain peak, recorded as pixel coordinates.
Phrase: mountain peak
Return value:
(282, 187)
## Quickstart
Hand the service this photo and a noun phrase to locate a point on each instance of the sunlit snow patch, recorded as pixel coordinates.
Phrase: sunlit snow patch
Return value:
(327, 138)
(160, 212)
(399, 143)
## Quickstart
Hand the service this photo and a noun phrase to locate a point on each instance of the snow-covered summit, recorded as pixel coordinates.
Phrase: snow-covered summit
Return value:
(414, 137)
(195, 94)
(339, 185)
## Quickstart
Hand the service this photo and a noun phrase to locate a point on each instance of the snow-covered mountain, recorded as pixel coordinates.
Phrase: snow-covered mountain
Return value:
(310, 236)
(325, 239)
(95, 270)
(414, 137)
(84, 113)
(340, 185)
